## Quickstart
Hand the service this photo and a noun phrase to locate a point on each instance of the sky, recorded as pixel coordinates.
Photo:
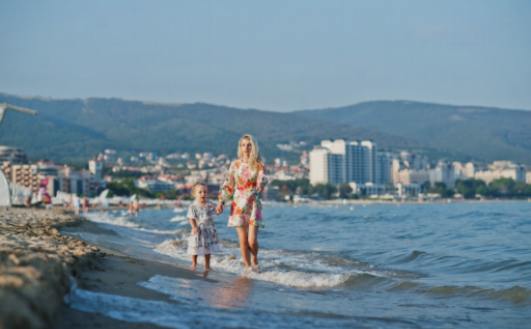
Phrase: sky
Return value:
(278, 55)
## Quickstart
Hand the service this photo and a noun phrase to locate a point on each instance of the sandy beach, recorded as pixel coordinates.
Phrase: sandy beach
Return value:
(38, 263)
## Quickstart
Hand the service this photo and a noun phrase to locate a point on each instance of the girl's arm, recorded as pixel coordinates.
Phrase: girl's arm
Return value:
(192, 219)
(193, 222)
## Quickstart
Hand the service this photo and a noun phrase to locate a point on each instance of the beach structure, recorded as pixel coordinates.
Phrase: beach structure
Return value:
(5, 196)
(4, 107)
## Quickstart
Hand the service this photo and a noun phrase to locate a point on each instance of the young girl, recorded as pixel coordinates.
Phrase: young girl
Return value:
(203, 239)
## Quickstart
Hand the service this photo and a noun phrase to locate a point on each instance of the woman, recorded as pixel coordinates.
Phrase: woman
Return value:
(242, 187)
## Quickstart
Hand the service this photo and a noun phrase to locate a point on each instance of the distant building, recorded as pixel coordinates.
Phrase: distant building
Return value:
(154, 185)
(81, 183)
(383, 168)
(13, 155)
(502, 169)
(338, 162)
(96, 168)
(443, 173)
(319, 166)
(25, 175)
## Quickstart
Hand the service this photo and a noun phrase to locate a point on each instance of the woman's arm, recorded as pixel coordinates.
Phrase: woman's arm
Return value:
(226, 191)
(261, 178)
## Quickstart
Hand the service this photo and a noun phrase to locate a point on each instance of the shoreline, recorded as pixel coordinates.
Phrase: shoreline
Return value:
(118, 275)
(38, 263)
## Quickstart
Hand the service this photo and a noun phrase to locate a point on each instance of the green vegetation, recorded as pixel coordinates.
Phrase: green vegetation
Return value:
(442, 190)
(303, 187)
(499, 188)
(469, 189)
(126, 187)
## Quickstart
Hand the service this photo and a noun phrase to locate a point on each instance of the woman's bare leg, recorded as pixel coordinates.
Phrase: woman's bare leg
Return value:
(253, 243)
(207, 262)
(244, 246)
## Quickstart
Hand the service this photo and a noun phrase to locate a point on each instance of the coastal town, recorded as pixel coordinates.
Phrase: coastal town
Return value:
(334, 169)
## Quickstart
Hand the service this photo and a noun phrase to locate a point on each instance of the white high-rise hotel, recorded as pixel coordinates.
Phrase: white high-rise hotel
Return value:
(339, 161)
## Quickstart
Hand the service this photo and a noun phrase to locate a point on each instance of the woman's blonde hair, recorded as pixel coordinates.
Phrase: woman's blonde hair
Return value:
(254, 157)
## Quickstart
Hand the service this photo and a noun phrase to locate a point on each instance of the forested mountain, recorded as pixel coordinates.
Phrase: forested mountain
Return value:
(76, 129)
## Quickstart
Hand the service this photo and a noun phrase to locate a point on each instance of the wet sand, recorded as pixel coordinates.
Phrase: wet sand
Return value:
(37, 264)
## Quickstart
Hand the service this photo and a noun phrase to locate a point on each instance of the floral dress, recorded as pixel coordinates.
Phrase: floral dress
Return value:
(240, 188)
(205, 242)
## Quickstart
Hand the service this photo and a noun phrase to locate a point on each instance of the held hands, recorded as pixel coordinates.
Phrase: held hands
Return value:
(219, 208)
(194, 230)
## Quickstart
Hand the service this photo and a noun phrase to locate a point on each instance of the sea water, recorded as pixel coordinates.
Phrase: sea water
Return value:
(451, 265)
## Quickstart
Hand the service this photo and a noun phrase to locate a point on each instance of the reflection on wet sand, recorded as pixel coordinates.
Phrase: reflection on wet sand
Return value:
(232, 295)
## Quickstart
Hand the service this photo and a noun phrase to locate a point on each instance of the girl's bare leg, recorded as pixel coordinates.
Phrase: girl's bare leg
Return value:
(244, 247)
(194, 263)
(253, 243)
(207, 262)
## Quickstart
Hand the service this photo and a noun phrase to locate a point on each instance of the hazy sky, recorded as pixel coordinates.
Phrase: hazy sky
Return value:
(274, 55)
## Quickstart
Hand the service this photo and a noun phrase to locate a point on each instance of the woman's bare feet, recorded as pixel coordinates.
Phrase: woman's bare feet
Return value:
(193, 267)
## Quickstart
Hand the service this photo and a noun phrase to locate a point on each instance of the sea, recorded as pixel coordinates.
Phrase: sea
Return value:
(431, 265)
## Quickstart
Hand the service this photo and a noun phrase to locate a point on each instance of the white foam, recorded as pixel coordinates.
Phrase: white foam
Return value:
(271, 260)
(107, 218)
(125, 221)
(179, 219)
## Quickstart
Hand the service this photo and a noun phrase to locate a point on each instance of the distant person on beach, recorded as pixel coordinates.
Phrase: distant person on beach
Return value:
(203, 239)
(242, 187)
(134, 205)
(76, 203)
(85, 204)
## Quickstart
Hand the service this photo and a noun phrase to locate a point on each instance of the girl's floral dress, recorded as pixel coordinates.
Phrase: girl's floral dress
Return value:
(240, 188)
(205, 242)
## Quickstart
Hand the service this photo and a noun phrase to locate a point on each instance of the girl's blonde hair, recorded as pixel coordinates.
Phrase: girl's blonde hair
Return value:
(254, 157)
(195, 186)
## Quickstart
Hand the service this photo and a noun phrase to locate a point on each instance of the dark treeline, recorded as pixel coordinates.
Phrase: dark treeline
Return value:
(469, 189)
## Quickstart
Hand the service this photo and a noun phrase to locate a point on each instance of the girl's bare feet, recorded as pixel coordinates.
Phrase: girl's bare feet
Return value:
(193, 267)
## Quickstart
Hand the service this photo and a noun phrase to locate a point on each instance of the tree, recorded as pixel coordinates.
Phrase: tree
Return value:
(469, 187)
(324, 190)
(441, 189)
(344, 191)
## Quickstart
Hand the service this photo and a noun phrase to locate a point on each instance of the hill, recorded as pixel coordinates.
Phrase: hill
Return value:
(76, 129)
(461, 132)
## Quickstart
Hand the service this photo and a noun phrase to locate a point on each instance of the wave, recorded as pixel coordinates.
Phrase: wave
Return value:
(514, 294)
(293, 269)
(179, 219)
(122, 220)
(412, 256)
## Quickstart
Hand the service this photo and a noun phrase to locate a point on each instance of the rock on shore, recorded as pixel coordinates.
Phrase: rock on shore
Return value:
(36, 262)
